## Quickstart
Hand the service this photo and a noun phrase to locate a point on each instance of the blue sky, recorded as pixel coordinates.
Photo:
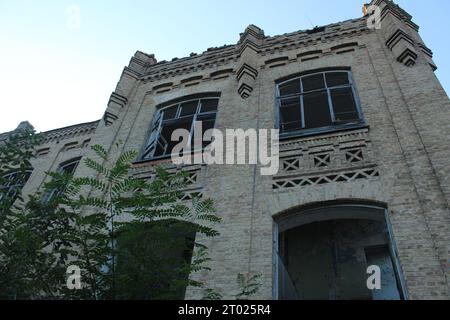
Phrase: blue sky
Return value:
(54, 74)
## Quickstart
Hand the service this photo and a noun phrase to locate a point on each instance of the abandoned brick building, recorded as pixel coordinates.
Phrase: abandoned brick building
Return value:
(364, 173)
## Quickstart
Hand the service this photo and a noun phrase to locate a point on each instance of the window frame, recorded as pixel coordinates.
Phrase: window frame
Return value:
(147, 154)
(47, 197)
(15, 185)
(69, 162)
(336, 126)
(336, 210)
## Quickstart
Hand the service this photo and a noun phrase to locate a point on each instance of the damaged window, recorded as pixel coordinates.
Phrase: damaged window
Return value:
(70, 166)
(67, 167)
(318, 102)
(180, 115)
(12, 185)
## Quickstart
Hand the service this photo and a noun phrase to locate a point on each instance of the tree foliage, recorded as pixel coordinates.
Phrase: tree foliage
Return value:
(249, 285)
(131, 238)
(16, 153)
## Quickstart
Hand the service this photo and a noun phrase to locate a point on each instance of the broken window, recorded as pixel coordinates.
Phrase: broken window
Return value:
(180, 115)
(319, 101)
(324, 254)
(70, 166)
(67, 167)
(13, 184)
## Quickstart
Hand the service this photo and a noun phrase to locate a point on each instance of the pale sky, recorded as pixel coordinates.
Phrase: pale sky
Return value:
(55, 72)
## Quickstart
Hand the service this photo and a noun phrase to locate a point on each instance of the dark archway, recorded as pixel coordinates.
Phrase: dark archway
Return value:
(323, 253)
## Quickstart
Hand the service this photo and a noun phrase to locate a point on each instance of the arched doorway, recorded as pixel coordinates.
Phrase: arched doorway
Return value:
(324, 253)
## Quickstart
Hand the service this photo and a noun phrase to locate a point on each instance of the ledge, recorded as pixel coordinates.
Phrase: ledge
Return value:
(321, 131)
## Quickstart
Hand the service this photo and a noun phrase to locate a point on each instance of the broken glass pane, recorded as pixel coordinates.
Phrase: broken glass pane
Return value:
(168, 129)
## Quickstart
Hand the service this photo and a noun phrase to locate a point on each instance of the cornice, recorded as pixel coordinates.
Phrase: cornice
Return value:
(70, 132)
(215, 58)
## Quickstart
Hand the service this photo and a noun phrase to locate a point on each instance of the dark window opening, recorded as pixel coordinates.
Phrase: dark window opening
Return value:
(318, 102)
(68, 167)
(12, 185)
(320, 258)
(154, 258)
(182, 115)
(316, 110)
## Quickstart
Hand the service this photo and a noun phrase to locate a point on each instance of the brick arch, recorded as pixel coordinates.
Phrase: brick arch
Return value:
(299, 229)
(360, 209)
(371, 192)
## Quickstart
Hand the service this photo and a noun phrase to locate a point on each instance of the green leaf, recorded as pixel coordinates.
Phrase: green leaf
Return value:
(100, 151)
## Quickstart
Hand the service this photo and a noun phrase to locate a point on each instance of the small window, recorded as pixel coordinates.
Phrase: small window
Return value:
(180, 115)
(67, 167)
(13, 184)
(318, 102)
(70, 166)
